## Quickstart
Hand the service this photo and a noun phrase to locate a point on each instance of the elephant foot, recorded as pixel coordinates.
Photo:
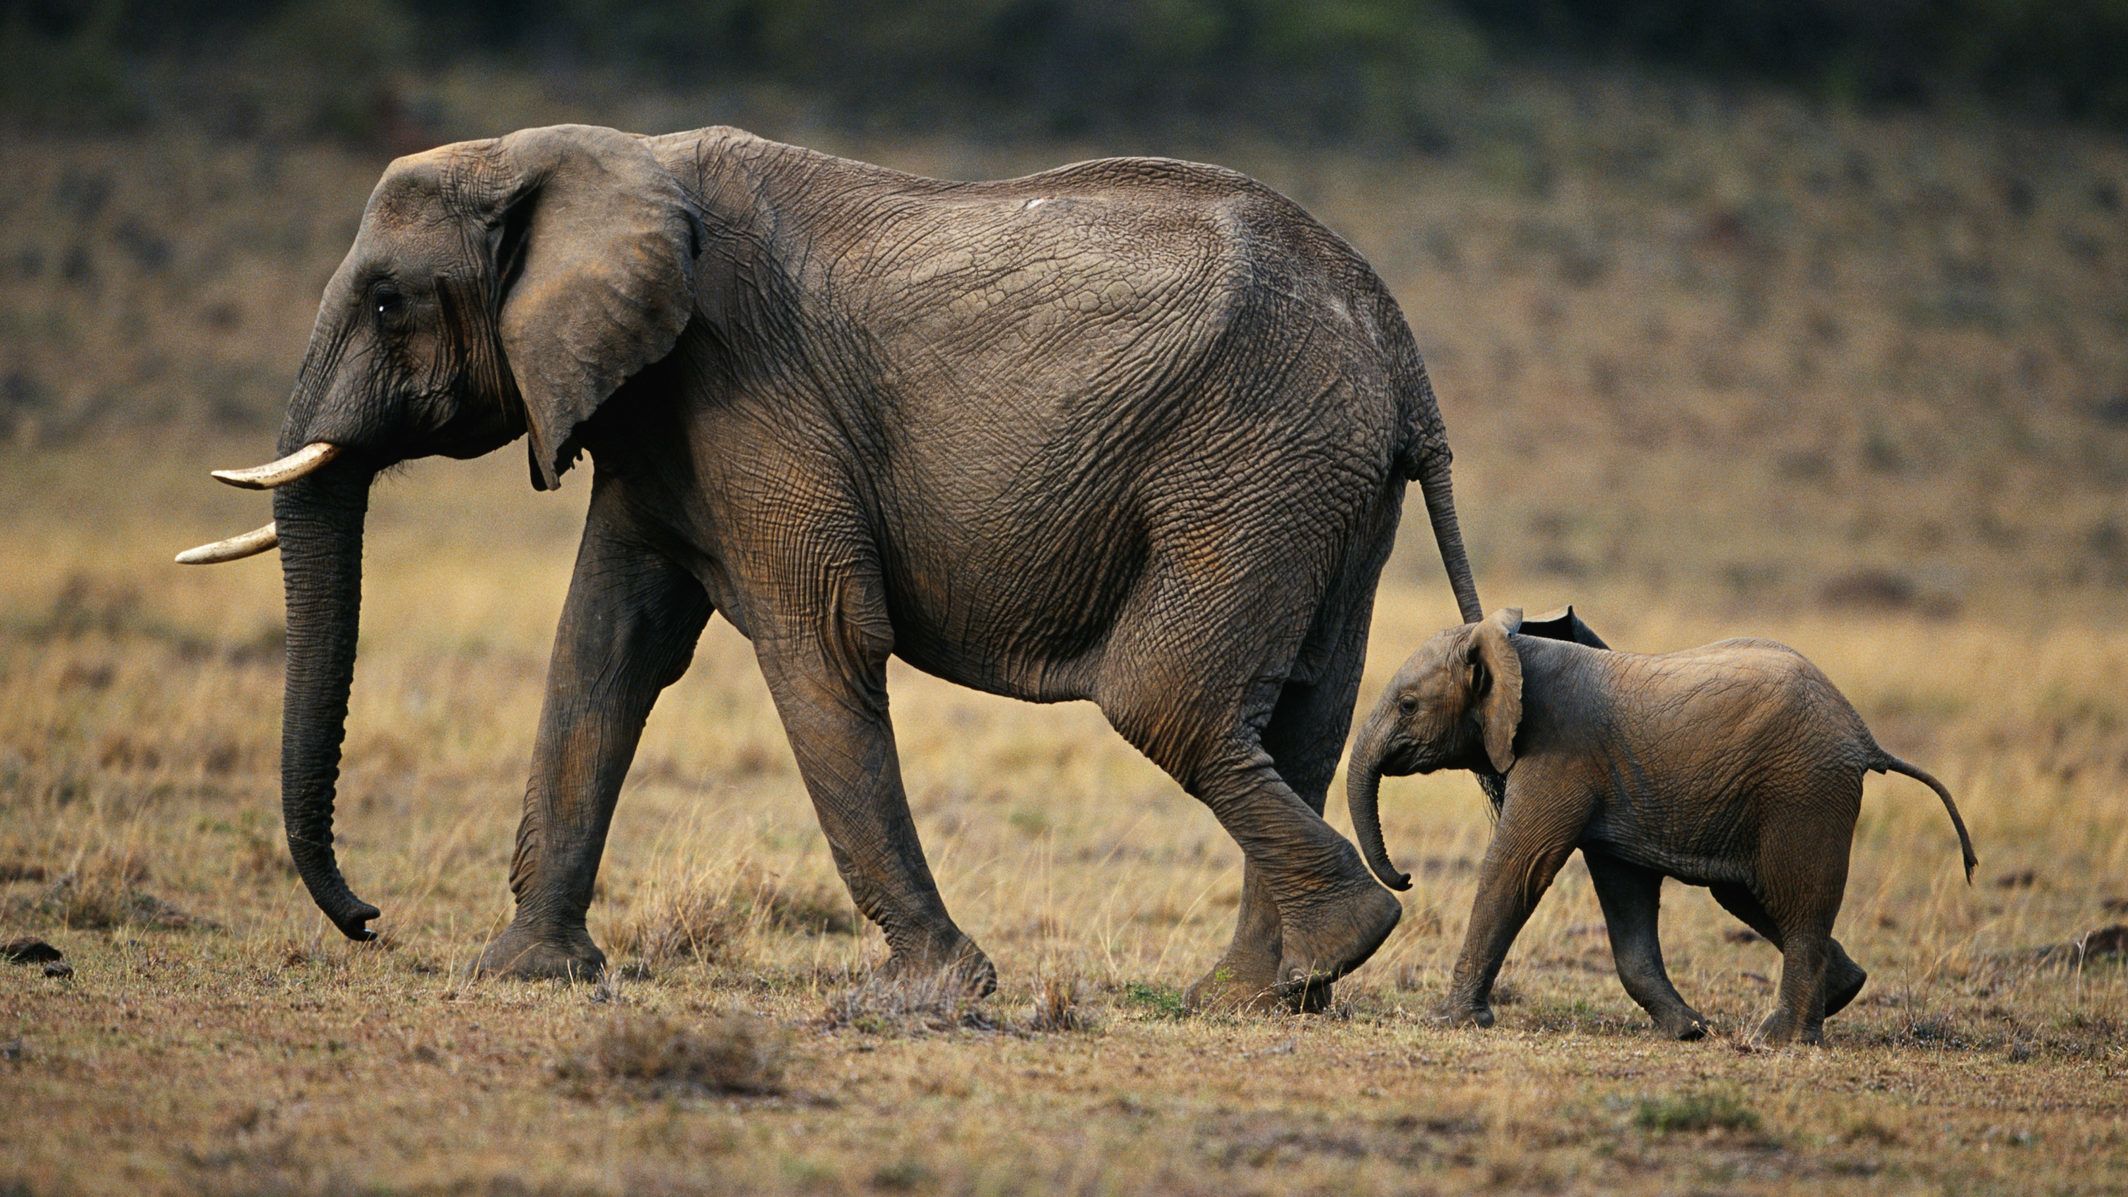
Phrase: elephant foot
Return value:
(1250, 985)
(1455, 1012)
(1842, 984)
(542, 956)
(954, 963)
(1330, 936)
(1779, 1030)
(1683, 1024)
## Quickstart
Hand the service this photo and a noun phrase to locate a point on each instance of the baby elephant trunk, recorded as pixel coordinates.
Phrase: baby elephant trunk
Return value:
(1363, 793)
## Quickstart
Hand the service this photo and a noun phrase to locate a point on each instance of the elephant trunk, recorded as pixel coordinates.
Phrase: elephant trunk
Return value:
(1448, 534)
(320, 519)
(1363, 792)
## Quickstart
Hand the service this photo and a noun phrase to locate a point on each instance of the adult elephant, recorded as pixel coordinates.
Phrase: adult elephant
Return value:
(1134, 431)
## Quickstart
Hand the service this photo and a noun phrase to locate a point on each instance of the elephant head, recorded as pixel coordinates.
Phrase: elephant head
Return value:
(1455, 704)
(495, 289)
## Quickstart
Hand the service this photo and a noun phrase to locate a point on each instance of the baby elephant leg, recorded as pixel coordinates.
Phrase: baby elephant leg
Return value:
(1843, 977)
(1803, 918)
(1518, 868)
(1631, 896)
(1799, 1007)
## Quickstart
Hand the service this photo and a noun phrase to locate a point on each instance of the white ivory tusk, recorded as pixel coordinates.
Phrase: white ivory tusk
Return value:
(236, 548)
(288, 469)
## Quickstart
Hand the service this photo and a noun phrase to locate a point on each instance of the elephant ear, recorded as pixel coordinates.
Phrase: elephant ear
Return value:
(594, 245)
(1496, 684)
(1562, 624)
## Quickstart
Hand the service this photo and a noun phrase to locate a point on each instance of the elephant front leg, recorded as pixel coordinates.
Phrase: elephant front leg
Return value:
(1533, 841)
(628, 630)
(833, 702)
(1631, 897)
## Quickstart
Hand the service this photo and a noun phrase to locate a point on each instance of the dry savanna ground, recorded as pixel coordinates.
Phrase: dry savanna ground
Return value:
(1711, 368)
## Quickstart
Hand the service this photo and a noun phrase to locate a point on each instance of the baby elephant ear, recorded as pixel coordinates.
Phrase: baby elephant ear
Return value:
(1496, 677)
(1562, 624)
(594, 245)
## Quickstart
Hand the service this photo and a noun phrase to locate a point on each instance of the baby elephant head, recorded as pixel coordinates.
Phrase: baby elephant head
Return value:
(1454, 705)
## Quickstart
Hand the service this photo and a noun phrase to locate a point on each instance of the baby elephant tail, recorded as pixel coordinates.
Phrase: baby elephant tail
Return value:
(1886, 762)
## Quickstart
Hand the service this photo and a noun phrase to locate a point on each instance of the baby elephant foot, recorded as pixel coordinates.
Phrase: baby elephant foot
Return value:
(529, 955)
(948, 963)
(1779, 1030)
(1329, 936)
(1683, 1024)
(1842, 982)
(1457, 1012)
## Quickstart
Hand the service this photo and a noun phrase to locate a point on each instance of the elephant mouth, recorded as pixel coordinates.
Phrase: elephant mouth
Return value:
(1409, 762)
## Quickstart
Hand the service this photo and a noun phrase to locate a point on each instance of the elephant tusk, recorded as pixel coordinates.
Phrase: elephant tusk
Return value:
(236, 548)
(286, 470)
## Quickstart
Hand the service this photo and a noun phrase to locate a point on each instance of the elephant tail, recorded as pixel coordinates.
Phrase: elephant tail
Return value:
(1422, 455)
(1885, 762)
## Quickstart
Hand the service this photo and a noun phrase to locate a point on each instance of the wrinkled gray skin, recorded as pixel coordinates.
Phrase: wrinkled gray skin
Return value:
(1736, 766)
(1135, 431)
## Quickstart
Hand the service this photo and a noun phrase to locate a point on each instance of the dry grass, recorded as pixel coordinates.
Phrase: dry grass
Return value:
(877, 1005)
(252, 1049)
(1709, 369)
(731, 1054)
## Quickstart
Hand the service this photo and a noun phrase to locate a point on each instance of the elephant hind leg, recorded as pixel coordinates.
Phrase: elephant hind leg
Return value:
(1331, 913)
(1631, 897)
(1802, 909)
(1304, 737)
(1799, 1005)
(1843, 977)
(1196, 698)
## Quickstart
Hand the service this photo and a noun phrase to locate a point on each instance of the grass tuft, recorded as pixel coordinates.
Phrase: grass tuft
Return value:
(712, 916)
(102, 892)
(901, 1006)
(1155, 1001)
(735, 1054)
(691, 923)
(1695, 1111)
(1057, 1007)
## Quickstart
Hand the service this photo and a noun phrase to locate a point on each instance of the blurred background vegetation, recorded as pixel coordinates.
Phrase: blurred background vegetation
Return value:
(1372, 69)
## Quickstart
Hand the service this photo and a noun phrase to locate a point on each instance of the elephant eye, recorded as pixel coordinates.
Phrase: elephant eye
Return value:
(389, 306)
(1408, 703)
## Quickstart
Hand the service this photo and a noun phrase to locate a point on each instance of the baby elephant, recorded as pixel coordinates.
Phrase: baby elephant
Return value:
(1736, 766)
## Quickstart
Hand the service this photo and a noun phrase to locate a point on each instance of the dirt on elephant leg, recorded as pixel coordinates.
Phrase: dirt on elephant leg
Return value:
(1231, 987)
(1245, 980)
